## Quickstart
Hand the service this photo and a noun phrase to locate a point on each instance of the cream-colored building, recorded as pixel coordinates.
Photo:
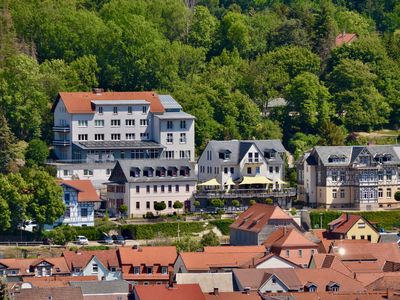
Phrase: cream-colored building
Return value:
(361, 177)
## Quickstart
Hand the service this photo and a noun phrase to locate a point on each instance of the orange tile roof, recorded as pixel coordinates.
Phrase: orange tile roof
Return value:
(75, 259)
(178, 292)
(55, 281)
(387, 281)
(257, 216)
(331, 296)
(24, 264)
(283, 238)
(330, 261)
(344, 223)
(80, 102)
(203, 261)
(233, 296)
(234, 249)
(86, 190)
(149, 256)
(345, 38)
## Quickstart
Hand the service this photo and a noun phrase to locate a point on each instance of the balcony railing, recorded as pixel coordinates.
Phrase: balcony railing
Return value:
(61, 142)
(64, 128)
(245, 193)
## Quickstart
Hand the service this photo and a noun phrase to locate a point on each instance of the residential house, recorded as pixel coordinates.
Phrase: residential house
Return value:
(104, 290)
(169, 292)
(361, 177)
(80, 198)
(101, 127)
(292, 245)
(33, 267)
(354, 227)
(253, 226)
(51, 293)
(53, 281)
(101, 263)
(140, 184)
(345, 39)
(295, 280)
(147, 265)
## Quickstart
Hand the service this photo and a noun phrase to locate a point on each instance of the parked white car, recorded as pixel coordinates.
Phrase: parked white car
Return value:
(82, 240)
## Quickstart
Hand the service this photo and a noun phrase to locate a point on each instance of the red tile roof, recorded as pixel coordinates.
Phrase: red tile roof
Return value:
(203, 261)
(86, 190)
(24, 264)
(283, 238)
(330, 261)
(344, 223)
(331, 296)
(149, 256)
(80, 259)
(56, 281)
(234, 249)
(178, 292)
(232, 296)
(345, 38)
(55, 293)
(259, 215)
(80, 102)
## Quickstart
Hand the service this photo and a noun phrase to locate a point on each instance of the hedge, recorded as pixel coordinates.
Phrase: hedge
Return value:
(150, 231)
(384, 219)
(223, 225)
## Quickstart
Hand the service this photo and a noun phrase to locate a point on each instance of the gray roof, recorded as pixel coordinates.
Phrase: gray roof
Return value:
(126, 165)
(168, 102)
(207, 281)
(276, 102)
(118, 145)
(350, 153)
(389, 238)
(239, 148)
(174, 115)
(102, 287)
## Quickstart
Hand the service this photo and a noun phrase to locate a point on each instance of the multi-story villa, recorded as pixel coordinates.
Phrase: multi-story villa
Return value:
(140, 184)
(102, 127)
(362, 177)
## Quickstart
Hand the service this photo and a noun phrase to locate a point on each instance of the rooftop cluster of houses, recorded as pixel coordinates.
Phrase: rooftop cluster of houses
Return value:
(271, 257)
(137, 148)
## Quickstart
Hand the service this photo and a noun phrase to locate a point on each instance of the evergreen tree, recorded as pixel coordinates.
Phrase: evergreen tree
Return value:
(6, 142)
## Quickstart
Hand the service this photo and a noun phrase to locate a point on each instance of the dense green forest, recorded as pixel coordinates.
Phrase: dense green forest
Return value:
(223, 60)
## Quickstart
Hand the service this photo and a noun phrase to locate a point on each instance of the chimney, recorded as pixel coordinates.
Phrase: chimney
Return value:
(135, 247)
(216, 291)
(347, 217)
(170, 279)
(246, 290)
(97, 91)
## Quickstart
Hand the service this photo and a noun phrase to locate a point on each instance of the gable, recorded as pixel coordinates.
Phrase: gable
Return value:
(117, 174)
(273, 283)
(93, 261)
(275, 262)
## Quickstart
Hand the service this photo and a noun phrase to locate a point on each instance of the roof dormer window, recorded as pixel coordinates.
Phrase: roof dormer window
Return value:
(134, 172)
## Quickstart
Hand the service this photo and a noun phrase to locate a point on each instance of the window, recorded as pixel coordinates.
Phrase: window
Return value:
(98, 123)
(342, 176)
(300, 253)
(155, 188)
(164, 270)
(334, 193)
(342, 194)
(99, 137)
(287, 253)
(312, 251)
(353, 237)
(276, 169)
(149, 270)
(380, 175)
(177, 188)
(130, 122)
(100, 110)
(67, 213)
(137, 189)
(271, 169)
(232, 170)
(84, 212)
(130, 110)
(147, 189)
(108, 171)
(169, 204)
(226, 170)
(273, 280)
(144, 122)
(144, 136)
(169, 154)
(67, 173)
(183, 124)
(368, 237)
(388, 193)
(181, 154)
(137, 205)
(88, 172)
(129, 136)
(388, 174)
(362, 237)
(334, 176)
(115, 136)
(169, 188)
(170, 138)
(136, 270)
(115, 110)
(187, 188)
(361, 225)
(162, 188)
(144, 109)
(380, 193)
(182, 140)
(312, 289)
(82, 123)
(170, 125)
(95, 268)
(115, 123)
(147, 204)
(249, 170)
(250, 157)
(82, 137)
(256, 157)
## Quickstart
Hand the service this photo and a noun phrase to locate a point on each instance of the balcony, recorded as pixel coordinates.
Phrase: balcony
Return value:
(254, 161)
(245, 193)
(61, 142)
(64, 128)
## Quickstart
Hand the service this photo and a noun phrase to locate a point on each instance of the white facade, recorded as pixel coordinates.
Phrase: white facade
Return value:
(275, 262)
(96, 268)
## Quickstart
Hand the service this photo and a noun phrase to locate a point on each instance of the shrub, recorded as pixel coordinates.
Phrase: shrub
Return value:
(293, 211)
(160, 206)
(123, 209)
(223, 225)
(210, 239)
(252, 202)
(397, 196)
(61, 235)
(196, 203)
(269, 201)
(178, 205)
(235, 203)
(219, 203)
(37, 152)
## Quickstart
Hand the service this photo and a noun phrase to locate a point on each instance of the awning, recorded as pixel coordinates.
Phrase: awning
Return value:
(255, 180)
(229, 182)
(211, 182)
(280, 181)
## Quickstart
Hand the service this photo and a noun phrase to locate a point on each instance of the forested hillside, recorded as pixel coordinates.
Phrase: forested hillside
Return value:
(222, 60)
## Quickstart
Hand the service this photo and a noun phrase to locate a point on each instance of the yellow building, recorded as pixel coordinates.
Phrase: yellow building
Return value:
(352, 227)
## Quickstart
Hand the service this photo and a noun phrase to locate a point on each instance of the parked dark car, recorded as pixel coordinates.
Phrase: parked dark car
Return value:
(118, 239)
(106, 239)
